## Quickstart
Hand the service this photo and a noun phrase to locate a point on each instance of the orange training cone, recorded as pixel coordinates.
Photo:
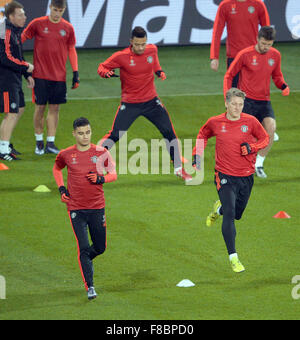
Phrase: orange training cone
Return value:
(3, 167)
(282, 214)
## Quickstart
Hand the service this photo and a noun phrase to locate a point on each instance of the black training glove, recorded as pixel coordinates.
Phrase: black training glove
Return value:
(111, 74)
(76, 80)
(161, 74)
(94, 178)
(245, 149)
(64, 193)
(196, 162)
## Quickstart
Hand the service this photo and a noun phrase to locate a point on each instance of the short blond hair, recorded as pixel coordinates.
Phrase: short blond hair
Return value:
(234, 92)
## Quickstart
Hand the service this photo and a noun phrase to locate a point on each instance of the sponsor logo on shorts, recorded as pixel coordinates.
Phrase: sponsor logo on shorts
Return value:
(223, 181)
(158, 102)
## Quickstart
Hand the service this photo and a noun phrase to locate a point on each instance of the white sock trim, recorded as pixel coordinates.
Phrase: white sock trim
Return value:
(4, 147)
(231, 256)
(51, 139)
(39, 138)
(259, 161)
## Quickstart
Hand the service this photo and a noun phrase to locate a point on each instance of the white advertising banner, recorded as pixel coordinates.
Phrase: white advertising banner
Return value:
(108, 23)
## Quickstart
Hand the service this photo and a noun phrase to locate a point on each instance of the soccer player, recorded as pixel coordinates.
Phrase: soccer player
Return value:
(257, 64)
(242, 19)
(54, 43)
(12, 67)
(238, 138)
(138, 63)
(84, 196)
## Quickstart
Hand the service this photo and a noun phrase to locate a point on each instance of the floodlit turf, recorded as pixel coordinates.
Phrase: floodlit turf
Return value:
(156, 225)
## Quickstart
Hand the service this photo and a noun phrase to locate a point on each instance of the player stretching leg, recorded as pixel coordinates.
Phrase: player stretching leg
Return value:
(138, 63)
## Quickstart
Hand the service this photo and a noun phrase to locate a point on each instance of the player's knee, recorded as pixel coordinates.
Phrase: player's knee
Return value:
(170, 136)
(84, 252)
(100, 250)
(270, 127)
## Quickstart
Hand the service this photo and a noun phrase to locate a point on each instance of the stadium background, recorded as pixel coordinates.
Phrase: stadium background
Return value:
(107, 23)
(156, 224)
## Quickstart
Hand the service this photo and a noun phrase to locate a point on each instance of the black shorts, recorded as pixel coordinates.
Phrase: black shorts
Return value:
(234, 191)
(49, 91)
(11, 100)
(260, 109)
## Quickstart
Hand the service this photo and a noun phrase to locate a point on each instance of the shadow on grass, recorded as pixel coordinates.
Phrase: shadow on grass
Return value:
(43, 300)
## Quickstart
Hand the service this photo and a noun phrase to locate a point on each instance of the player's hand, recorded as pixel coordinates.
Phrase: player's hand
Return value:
(161, 74)
(196, 162)
(245, 149)
(214, 64)
(94, 178)
(285, 91)
(30, 82)
(76, 80)
(64, 194)
(30, 68)
(111, 74)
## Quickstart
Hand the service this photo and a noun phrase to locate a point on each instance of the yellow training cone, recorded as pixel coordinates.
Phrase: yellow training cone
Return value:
(42, 188)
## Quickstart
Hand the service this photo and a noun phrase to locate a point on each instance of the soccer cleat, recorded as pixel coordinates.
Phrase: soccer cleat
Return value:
(13, 150)
(51, 148)
(91, 293)
(9, 157)
(260, 172)
(39, 148)
(276, 137)
(213, 216)
(183, 174)
(236, 265)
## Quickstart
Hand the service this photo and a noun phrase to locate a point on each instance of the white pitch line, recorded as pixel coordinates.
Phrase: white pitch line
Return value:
(164, 95)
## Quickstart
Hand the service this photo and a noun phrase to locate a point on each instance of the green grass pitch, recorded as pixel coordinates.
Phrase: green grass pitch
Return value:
(156, 225)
